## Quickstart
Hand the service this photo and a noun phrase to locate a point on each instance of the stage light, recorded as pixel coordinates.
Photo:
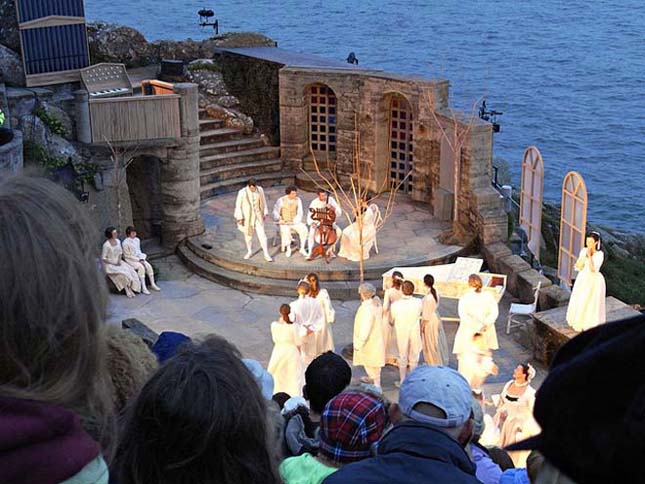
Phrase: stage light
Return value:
(490, 116)
(205, 15)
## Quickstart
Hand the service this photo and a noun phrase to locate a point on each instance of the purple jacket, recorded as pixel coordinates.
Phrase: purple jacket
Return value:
(41, 443)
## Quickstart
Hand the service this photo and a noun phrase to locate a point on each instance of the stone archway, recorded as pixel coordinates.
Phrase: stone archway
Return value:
(144, 187)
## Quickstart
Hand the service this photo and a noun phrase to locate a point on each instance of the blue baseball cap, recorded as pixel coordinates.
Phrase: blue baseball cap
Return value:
(440, 386)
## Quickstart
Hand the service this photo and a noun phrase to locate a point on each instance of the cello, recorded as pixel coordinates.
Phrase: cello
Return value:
(325, 234)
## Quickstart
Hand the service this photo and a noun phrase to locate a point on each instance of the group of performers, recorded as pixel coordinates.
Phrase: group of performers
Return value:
(251, 212)
(124, 263)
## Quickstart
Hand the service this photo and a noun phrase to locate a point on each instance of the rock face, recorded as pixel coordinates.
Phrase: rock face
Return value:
(116, 43)
(11, 70)
(9, 25)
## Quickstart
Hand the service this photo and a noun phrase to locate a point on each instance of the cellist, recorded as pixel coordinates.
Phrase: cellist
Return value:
(323, 200)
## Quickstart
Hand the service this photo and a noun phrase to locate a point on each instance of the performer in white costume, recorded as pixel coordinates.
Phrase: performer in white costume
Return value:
(138, 260)
(406, 313)
(310, 319)
(478, 312)
(433, 336)
(391, 295)
(476, 362)
(514, 416)
(121, 274)
(369, 349)
(350, 242)
(322, 201)
(250, 213)
(285, 364)
(287, 211)
(587, 304)
(325, 337)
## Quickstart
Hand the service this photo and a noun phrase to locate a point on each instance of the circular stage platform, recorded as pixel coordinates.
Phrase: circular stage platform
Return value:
(408, 238)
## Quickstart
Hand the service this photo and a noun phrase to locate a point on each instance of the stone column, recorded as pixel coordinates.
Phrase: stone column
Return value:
(83, 120)
(180, 196)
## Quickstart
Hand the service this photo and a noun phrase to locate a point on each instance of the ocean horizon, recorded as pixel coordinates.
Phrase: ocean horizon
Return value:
(568, 77)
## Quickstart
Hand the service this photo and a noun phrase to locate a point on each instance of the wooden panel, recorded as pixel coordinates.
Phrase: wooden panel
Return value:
(573, 223)
(155, 87)
(51, 21)
(135, 118)
(531, 198)
(59, 77)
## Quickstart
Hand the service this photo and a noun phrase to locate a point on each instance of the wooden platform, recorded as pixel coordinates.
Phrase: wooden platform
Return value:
(549, 329)
(409, 238)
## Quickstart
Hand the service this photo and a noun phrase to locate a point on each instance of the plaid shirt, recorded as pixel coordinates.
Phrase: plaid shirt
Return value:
(351, 422)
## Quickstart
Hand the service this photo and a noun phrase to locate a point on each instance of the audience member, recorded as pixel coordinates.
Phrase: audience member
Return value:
(262, 377)
(280, 398)
(351, 423)
(53, 371)
(200, 418)
(591, 410)
(325, 377)
(486, 470)
(432, 426)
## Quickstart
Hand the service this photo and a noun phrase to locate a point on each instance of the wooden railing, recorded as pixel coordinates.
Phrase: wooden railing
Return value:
(137, 118)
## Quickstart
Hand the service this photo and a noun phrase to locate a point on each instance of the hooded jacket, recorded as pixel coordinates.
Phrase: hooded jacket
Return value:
(43, 443)
(411, 453)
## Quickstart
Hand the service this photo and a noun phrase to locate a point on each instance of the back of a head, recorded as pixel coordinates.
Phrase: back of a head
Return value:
(407, 288)
(200, 418)
(325, 377)
(53, 299)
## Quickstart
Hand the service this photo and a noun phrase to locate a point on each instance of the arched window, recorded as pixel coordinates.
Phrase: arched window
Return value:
(401, 144)
(573, 222)
(531, 198)
(322, 121)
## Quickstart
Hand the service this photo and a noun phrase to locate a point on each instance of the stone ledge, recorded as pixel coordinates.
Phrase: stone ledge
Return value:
(512, 266)
(493, 253)
(527, 281)
(553, 297)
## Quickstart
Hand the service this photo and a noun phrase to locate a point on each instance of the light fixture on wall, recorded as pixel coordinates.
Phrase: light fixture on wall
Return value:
(205, 16)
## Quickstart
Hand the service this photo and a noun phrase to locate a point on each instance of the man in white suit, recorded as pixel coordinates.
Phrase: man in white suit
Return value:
(287, 211)
(250, 213)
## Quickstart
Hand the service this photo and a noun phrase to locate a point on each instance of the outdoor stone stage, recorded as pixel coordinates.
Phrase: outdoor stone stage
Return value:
(408, 238)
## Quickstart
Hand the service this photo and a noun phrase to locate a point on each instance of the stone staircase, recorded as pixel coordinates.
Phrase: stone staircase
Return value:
(228, 158)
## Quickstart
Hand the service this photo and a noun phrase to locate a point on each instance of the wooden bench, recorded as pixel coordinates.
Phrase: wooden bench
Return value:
(106, 80)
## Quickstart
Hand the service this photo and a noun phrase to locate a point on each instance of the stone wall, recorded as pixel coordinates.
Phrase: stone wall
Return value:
(255, 83)
(11, 161)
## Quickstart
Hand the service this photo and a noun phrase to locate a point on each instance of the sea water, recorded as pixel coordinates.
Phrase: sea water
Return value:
(568, 75)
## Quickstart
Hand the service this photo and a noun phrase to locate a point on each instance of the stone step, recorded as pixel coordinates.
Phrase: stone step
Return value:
(343, 290)
(255, 154)
(208, 124)
(234, 184)
(309, 165)
(245, 169)
(203, 114)
(309, 181)
(221, 134)
(275, 271)
(231, 146)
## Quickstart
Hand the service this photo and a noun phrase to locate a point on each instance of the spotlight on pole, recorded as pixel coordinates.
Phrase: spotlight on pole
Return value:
(205, 16)
(490, 116)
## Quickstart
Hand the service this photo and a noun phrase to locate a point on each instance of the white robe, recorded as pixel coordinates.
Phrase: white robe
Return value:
(475, 366)
(406, 314)
(245, 211)
(369, 348)
(316, 203)
(587, 304)
(297, 225)
(350, 241)
(478, 312)
(134, 257)
(389, 335)
(435, 344)
(325, 338)
(286, 364)
(308, 315)
(122, 275)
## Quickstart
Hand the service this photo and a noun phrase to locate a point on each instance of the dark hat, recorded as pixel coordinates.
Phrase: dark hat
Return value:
(591, 406)
(168, 345)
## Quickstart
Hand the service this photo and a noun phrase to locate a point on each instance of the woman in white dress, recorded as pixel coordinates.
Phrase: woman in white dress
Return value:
(350, 241)
(587, 304)
(433, 336)
(478, 312)
(369, 350)
(122, 275)
(286, 364)
(391, 295)
(514, 416)
(324, 338)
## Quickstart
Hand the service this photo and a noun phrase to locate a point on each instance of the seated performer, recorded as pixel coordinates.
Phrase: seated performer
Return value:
(308, 315)
(350, 242)
(250, 212)
(406, 315)
(287, 211)
(138, 260)
(324, 199)
(121, 274)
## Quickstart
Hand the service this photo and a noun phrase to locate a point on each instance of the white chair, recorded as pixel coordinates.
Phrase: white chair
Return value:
(523, 310)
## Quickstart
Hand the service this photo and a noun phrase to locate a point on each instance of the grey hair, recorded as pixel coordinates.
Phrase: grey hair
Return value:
(52, 343)
(366, 289)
